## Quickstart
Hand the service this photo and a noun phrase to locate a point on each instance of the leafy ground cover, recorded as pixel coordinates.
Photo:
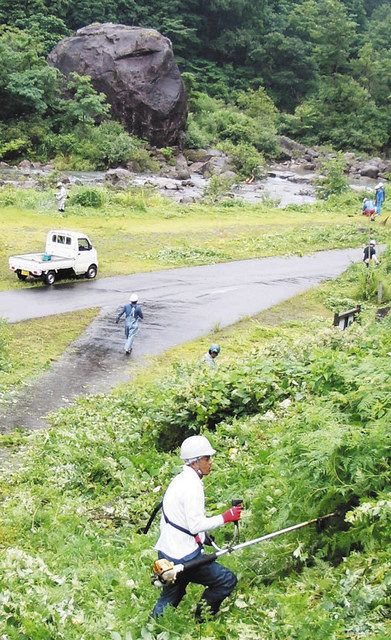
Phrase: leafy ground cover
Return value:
(301, 425)
(27, 348)
(140, 231)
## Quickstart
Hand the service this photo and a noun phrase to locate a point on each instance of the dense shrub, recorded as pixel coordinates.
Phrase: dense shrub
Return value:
(333, 180)
(249, 122)
(101, 147)
(87, 197)
(217, 189)
(246, 159)
(341, 113)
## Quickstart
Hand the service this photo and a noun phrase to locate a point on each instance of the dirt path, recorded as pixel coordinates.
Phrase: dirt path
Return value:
(179, 305)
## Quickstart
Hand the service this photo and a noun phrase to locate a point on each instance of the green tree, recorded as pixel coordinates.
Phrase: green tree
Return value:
(27, 84)
(86, 106)
(341, 113)
(46, 30)
(333, 180)
(326, 24)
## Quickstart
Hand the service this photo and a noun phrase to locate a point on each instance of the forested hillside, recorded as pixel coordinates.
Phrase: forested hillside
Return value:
(326, 65)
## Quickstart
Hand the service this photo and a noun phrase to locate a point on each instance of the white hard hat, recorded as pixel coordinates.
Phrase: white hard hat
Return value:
(372, 242)
(378, 186)
(196, 447)
(134, 297)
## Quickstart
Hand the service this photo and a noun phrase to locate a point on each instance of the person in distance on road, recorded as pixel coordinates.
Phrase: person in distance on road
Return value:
(210, 357)
(133, 314)
(183, 525)
(370, 253)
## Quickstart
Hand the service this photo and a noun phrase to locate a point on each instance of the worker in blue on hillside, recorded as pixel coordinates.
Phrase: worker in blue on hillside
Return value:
(210, 357)
(182, 532)
(133, 314)
(379, 197)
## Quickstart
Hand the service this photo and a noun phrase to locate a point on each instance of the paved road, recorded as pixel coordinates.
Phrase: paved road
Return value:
(206, 295)
(179, 305)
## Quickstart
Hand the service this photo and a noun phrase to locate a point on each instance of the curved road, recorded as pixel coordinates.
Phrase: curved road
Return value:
(179, 305)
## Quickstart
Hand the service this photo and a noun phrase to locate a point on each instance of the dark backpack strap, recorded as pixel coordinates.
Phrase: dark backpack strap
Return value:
(151, 518)
(176, 526)
(182, 529)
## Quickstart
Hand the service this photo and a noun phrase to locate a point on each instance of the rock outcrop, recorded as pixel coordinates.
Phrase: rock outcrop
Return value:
(136, 69)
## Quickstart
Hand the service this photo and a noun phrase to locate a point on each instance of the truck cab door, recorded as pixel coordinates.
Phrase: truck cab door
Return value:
(84, 255)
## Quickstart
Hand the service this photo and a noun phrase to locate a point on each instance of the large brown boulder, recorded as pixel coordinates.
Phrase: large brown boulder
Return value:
(136, 69)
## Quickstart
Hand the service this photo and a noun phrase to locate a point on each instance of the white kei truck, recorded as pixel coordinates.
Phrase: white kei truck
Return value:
(67, 254)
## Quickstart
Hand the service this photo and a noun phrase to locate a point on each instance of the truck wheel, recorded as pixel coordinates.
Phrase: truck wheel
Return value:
(92, 271)
(49, 278)
(20, 276)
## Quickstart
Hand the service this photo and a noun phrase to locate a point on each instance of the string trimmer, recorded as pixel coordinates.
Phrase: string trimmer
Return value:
(165, 572)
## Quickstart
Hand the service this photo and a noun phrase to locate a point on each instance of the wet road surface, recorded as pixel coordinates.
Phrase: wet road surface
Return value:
(179, 305)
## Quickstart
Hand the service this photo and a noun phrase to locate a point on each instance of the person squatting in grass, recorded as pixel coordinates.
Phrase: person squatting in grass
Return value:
(210, 357)
(182, 532)
(133, 313)
(368, 208)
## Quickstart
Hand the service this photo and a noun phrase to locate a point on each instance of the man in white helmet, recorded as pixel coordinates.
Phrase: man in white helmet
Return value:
(61, 196)
(133, 313)
(182, 531)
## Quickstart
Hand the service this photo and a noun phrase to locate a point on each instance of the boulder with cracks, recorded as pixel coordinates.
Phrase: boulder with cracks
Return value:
(135, 68)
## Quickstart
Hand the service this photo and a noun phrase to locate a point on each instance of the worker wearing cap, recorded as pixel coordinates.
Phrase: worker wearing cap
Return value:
(61, 196)
(210, 357)
(370, 253)
(133, 313)
(379, 197)
(182, 531)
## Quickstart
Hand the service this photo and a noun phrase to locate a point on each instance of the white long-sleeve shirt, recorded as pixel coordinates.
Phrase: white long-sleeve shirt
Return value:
(184, 504)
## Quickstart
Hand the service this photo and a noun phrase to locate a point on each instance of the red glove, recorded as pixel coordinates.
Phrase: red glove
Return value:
(233, 514)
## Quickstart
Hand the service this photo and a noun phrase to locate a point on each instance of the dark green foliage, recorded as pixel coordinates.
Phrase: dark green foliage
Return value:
(27, 85)
(245, 128)
(341, 113)
(325, 63)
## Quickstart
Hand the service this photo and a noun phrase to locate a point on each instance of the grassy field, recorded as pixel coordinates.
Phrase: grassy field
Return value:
(33, 345)
(139, 231)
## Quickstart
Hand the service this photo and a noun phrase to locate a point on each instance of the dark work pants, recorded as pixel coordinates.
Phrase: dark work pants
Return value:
(218, 580)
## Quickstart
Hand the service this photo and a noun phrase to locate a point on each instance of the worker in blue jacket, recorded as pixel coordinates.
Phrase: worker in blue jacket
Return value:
(133, 314)
(379, 197)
